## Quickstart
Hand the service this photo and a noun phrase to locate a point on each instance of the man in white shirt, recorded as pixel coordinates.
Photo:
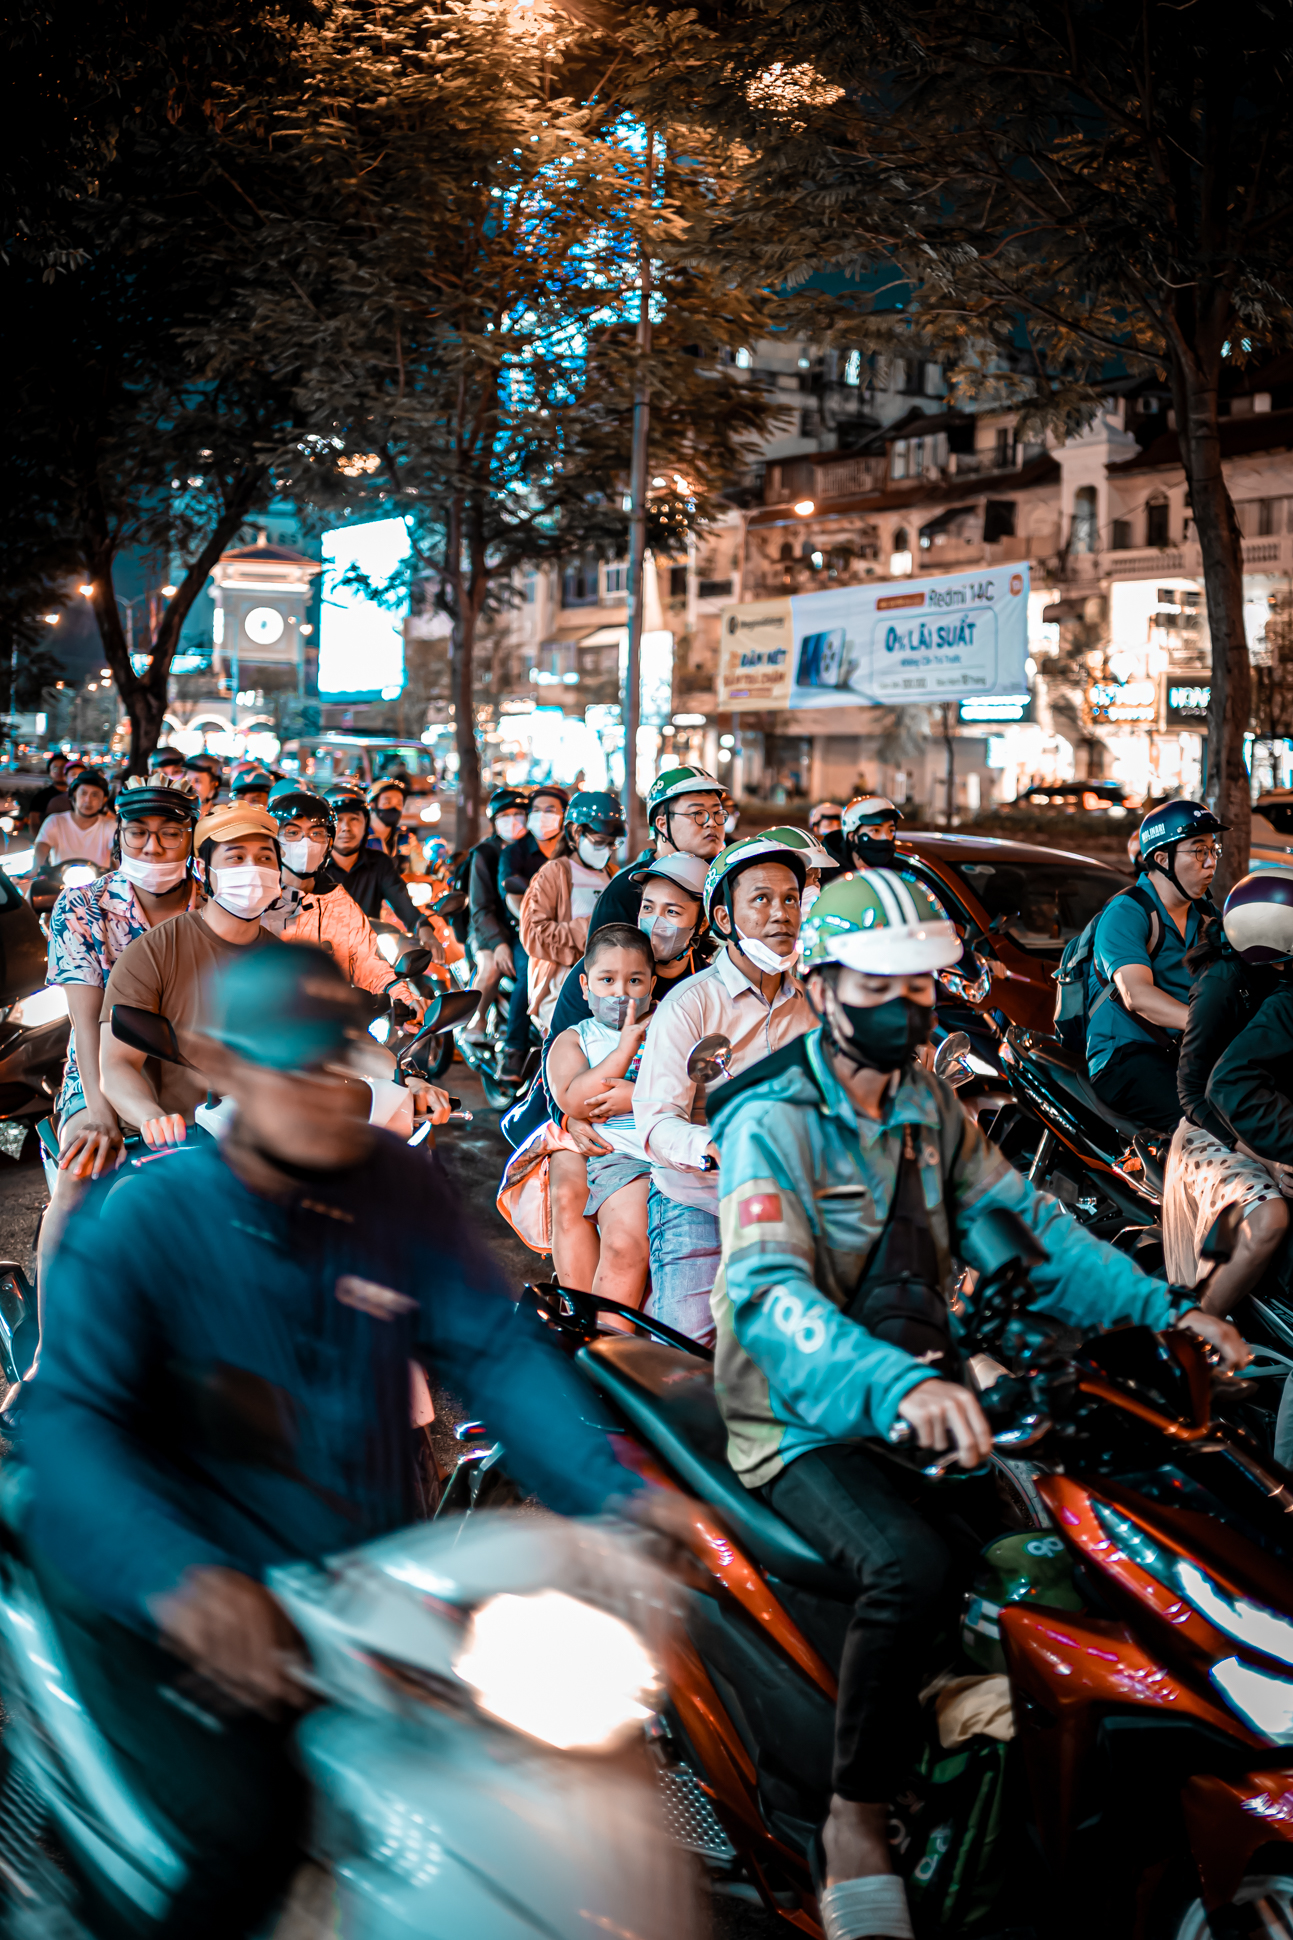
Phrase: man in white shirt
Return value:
(749, 996)
(84, 834)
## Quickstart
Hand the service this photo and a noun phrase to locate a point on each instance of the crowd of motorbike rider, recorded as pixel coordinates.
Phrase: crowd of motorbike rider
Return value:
(797, 1201)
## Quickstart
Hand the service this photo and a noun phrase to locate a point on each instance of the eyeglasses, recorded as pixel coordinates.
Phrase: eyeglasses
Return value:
(174, 836)
(1204, 852)
(701, 818)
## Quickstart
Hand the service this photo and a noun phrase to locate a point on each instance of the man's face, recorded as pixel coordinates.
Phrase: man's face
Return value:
(766, 904)
(206, 785)
(254, 797)
(88, 799)
(510, 825)
(825, 825)
(389, 798)
(860, 991)
(878, 831)
(58, 771)
(1196, 863)
(312, 1118)
(245, 852)
(697, 824)
(156, 838)
(349, 838)
(303, 828)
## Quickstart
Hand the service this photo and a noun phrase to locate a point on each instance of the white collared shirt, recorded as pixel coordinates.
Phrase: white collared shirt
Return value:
(719, 1000)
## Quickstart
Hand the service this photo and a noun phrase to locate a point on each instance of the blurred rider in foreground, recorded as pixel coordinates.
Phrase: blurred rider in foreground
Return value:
(204, 1411)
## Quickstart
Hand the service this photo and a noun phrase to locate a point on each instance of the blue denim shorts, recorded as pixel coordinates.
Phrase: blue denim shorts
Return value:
(685, 1253)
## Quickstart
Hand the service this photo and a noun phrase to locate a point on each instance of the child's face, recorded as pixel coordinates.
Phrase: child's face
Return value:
(618, 973)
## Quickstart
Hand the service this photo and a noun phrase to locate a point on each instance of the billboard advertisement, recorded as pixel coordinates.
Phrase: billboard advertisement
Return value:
(888, 643)
(361, 644)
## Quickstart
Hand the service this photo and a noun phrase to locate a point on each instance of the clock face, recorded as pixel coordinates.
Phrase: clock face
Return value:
(264, 625)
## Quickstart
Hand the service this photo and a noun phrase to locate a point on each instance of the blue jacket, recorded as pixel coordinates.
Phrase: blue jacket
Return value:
(805, 1187)
(224, 1378)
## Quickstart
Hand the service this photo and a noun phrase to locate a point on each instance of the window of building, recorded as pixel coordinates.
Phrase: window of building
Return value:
(715, 589)
(1157, 513)
(744, 360)
(900, 540)
(934, 386)
(579, 583)
(1004, 449)
(1083, 536)
(617, 578)
(677, 582)
(853, 367)
(1120, 535)
(787, 551)
(998, 520)
(898, 462)
(808, 424)
(916, 457)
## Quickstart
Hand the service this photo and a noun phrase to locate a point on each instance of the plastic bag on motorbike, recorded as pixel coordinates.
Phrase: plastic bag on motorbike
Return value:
(523, 1195)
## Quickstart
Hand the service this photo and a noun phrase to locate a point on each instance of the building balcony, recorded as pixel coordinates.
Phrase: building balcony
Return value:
(1270, 555)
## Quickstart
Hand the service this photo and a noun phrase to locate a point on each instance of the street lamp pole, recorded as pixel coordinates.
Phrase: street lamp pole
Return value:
(632, 707)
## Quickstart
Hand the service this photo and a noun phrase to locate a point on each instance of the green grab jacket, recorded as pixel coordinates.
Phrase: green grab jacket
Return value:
(805, 1186)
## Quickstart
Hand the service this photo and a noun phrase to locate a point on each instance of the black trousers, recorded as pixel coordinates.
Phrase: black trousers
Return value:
(1139, 1082)
(220, 1780)
(856, 1509)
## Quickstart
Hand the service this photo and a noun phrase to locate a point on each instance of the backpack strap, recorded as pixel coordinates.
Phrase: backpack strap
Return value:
(1157, 935)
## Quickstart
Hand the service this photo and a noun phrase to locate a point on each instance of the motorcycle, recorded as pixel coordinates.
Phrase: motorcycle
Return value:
(477, 1691)
(484, 1055)
(34, 1020)
(1146, 1781)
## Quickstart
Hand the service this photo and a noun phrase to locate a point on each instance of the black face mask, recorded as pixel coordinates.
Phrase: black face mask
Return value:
(874, 855)
(885, 1035)
(389, 817)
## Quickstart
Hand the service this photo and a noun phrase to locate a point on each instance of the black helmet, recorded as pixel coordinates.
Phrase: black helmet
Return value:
(211, 762)
(504, 798)
(150, 795)
(387, 781)
(596, 809)
(288, 799)
(93, 778)
(347, 795)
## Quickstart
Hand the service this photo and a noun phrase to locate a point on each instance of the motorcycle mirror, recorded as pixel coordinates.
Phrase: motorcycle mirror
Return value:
(515, 886)
(709, 1059)
(951, 1059)
(1002, 1240)
(147, 1031)
(412, 963)
(443, 1013)
(451, 905)
(1219, 1243)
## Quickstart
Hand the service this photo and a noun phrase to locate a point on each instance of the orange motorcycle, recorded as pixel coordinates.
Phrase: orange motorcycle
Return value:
(1148, 1779)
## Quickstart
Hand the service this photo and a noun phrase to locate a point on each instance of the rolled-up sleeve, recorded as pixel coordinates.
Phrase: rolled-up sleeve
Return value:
(664, 1096)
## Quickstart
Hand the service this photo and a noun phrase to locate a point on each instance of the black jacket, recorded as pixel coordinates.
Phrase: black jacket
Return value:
(1223, 999)
(621, 899)
(375, 880)
(1251, 1087)
(523, 858)
(492, 922)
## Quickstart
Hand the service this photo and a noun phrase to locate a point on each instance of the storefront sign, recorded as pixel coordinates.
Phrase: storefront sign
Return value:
(888, 643)
(1111, 702)
(989, 708)
(1185, 700)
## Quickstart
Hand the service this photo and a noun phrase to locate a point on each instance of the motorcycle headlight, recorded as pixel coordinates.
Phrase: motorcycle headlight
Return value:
(1264, 1701)
(420, 894)
(389, 947)
(558, 1669)
(1236, 1616)
(42, 1007)
(78, 874)
(19, 863)
(380, 1028)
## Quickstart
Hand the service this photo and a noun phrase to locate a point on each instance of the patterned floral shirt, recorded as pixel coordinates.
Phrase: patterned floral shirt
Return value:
(88, 930)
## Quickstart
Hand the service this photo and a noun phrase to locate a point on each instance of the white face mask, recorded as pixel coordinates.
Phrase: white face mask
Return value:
(303, 858)
(510, 827)
(594, 855)
(543, 826)
(811, 892)
(156, 877)
(763, 958)
(668, 939)
(245, 891)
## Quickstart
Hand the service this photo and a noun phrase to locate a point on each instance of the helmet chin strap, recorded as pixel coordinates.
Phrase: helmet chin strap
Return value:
(1172, 877)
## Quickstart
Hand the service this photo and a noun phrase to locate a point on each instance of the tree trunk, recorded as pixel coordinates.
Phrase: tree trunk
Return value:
(467, 605)
(949, 747)
(1227, 792)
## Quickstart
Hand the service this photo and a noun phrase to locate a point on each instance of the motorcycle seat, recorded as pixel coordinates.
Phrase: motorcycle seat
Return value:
(1068, 1073)
(668, 1396)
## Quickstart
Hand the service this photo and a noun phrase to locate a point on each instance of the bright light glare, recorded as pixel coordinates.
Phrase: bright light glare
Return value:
(79, 874)
(804, 506)
(86, 592)
(420, 894)
(380, 1028)
(977, 1064)
(169, 592)
(558, 1669)
(389, 947)
(1265, 1701)
(19, 862)
(431, 814)
(42, 1007)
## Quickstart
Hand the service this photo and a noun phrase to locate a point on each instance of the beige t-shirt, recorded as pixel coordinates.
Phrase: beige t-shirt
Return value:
(165, 971)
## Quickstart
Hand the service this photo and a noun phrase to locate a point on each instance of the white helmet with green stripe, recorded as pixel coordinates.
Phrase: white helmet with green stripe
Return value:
(795, 846)
(681, 781)
(880, 922)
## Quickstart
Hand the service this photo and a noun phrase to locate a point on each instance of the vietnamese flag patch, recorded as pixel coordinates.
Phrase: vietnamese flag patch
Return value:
(761, 1208)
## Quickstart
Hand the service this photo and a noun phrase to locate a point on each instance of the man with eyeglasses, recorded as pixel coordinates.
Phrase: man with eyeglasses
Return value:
(685, 816)
(1136, 1017)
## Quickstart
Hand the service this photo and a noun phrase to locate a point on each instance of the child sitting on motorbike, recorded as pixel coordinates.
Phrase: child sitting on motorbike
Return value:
(591, 1071)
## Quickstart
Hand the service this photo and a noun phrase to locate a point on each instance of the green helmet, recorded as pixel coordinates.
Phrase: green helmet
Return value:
(795, 846)
(1032, 1568)
(681, 781)
(883, 923)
